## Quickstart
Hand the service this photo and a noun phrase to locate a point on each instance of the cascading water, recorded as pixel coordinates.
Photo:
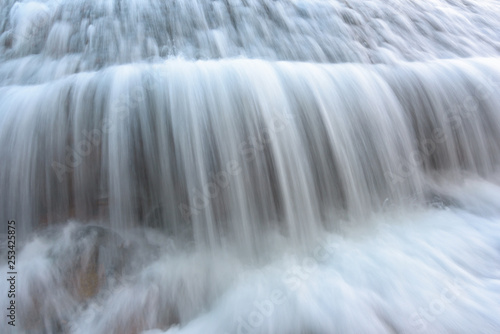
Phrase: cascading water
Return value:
(251, 166)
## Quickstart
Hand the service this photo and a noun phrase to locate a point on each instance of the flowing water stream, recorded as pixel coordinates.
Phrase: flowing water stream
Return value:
(251, 166)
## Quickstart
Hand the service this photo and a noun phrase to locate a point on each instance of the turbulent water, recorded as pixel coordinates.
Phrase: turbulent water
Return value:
(251, 166)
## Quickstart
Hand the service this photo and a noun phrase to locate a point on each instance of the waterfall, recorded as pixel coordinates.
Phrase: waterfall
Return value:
(251, 166)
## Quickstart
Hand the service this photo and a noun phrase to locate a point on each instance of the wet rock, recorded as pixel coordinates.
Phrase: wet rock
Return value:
(99, 260)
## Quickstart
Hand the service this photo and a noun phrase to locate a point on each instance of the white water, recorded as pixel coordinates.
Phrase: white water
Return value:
(252, 166)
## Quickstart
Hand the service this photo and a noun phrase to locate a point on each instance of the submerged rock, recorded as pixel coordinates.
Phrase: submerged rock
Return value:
(97, 259)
